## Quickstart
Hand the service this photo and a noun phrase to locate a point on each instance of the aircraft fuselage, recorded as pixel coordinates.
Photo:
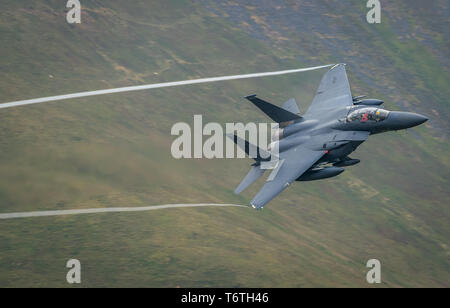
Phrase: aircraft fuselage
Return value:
(339, 138)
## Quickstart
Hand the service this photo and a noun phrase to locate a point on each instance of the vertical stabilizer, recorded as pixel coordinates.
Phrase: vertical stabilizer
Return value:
(291, 106)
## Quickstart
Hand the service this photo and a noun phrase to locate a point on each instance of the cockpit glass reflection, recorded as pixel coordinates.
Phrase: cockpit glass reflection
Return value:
(368, 114)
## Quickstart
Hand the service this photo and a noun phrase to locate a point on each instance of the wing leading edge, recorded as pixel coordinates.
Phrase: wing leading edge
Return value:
(292, 164)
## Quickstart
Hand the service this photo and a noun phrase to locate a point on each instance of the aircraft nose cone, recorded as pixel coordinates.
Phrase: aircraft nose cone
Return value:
(423, 119)
(402, 120)
(414, 119)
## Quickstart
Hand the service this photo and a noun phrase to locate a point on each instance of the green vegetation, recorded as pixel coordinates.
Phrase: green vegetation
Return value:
(115, 151)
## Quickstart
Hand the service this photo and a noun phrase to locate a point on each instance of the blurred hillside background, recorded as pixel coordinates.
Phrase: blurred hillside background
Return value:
(114, 150)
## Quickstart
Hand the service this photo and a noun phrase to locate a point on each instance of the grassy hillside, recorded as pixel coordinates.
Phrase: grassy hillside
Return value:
(114, 150)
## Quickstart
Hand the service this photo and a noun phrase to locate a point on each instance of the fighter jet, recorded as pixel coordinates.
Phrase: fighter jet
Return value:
(316, 145)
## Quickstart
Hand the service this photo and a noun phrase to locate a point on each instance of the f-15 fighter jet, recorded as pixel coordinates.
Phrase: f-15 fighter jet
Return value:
(316, 145)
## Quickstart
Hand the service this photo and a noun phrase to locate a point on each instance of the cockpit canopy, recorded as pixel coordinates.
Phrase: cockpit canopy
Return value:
(367, 114)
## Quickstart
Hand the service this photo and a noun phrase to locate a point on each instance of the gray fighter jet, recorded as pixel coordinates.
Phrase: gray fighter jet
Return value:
(316, 145)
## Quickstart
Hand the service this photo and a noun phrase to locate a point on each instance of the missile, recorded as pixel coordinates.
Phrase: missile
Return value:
(369, 102)
(319, 174)
(357, 98)
(346, 163)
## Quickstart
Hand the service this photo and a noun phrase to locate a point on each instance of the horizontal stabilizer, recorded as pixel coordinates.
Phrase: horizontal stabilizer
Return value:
(255, 173)
(251, 150)
(276, 113)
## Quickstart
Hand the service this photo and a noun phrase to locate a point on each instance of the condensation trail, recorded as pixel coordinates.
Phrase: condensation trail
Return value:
(109, 210)
(153, 86)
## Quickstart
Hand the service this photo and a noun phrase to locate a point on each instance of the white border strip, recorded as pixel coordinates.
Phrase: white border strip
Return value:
(108, 210)
(153, 86)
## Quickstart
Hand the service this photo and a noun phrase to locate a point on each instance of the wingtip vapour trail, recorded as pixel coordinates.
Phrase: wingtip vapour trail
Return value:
(111, 210)
(153, 86)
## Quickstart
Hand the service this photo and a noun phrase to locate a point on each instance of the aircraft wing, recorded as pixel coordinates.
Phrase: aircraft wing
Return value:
(292, 164)
(333, 92)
